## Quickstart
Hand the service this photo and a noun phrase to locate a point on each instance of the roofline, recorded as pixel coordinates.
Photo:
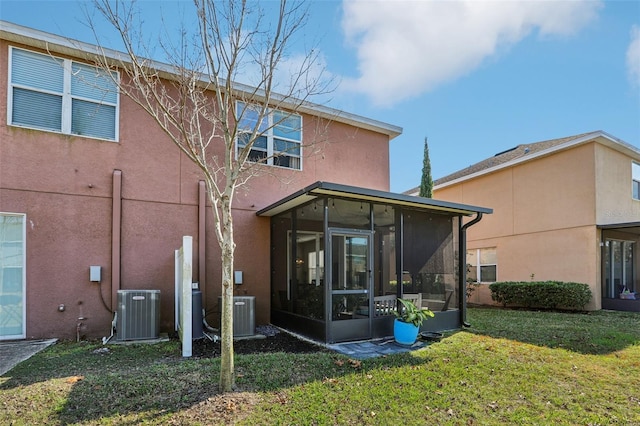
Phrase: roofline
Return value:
(619, 225)
(607, 139)
(319, 188)
(62, 45)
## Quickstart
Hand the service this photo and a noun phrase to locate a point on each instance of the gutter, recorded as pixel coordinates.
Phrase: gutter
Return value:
(53, 43)
(462, 270)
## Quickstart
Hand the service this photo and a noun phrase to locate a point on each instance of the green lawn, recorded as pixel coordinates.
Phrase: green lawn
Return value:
(515, 367)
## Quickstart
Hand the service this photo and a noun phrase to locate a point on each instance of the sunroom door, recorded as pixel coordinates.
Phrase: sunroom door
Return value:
(350, 276)
(618, 268)
(12, 276)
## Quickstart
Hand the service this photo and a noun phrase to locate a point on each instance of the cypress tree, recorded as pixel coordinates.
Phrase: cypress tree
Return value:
(426, 185)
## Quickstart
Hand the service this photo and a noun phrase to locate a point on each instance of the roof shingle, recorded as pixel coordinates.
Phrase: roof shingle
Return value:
(506, 156)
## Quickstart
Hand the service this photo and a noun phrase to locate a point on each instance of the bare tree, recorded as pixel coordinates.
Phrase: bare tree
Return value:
(204, 112)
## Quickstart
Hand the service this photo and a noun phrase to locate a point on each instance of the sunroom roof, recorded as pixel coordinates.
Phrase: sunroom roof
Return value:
(328, 189)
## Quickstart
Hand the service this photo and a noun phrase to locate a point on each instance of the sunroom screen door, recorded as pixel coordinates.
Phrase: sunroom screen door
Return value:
(619, 261)
(12, 276)
(350, 284)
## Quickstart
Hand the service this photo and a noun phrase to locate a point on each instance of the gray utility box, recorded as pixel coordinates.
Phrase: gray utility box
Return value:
(138, 314)
(244, 315)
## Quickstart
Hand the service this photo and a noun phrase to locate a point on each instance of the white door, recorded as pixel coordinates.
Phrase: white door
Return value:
(12, 276)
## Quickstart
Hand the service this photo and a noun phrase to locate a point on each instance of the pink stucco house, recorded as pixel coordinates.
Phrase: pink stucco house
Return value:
(90, 207)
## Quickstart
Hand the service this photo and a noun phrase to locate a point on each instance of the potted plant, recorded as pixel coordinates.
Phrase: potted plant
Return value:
(626, 294)
(408, 321)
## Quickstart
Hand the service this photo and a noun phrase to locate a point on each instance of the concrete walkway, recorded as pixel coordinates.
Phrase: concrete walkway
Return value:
(374, 348)
(14, 352)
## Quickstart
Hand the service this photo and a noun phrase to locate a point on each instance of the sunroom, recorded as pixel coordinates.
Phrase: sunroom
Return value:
(620, 265)
(342, 255)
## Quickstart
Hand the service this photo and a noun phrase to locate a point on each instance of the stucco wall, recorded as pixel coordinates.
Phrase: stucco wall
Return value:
(543, 222)
(563, 255)
(64, 185)
(614, 203)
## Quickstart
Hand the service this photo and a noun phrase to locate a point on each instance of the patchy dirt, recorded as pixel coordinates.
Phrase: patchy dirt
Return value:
(275, 340)
(232, 407)
(228, 408)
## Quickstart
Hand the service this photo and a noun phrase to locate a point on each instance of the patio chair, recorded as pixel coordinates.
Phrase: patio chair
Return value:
(415, 298)
(384, 305)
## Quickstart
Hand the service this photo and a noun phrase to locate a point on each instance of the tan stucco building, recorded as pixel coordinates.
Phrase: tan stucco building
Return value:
(565, 209)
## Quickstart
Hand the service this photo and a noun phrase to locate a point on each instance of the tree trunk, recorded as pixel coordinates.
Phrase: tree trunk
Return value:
(227, 379)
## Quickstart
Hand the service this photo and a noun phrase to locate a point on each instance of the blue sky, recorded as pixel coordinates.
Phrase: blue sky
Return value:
(475, 77)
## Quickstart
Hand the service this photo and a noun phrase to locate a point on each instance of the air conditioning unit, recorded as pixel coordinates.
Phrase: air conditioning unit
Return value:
(244, 315)
(138, 314)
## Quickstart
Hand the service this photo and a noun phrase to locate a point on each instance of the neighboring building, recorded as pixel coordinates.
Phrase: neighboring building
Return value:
(88, 179)
(565, 209)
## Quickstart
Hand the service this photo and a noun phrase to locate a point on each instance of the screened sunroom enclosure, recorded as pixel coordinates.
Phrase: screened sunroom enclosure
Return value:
(341, 256)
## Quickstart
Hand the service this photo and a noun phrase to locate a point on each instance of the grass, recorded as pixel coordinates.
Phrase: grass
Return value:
(515, 367)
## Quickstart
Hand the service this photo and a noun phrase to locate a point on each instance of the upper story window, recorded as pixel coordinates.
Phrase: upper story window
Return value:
(280, 140)
(635, 180)
(482, 265)
(61, 95)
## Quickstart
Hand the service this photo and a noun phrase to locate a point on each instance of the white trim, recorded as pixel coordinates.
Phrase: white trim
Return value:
(8, 86)
(634, 179)
(599, 136)
(268, 133)
(67, 100)
(66, 95)
(479, 265)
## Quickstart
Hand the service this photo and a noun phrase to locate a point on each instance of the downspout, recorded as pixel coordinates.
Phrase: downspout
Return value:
(399, 221)
(462, 268)
(116, 231)
(202, 241)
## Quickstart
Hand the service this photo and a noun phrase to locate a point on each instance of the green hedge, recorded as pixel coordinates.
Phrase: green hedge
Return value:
(541, 294)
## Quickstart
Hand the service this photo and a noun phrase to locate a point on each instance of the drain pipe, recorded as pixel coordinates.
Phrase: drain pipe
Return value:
(462, 268)
(114, 323)
(214, 331)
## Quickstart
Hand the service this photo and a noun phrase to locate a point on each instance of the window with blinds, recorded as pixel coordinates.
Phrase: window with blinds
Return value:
(482, 265)
(61, 95)
(278, 139)
(635, 180)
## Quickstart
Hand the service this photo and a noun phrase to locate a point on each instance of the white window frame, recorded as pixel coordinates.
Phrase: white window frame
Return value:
(268, 133)
(635, 180)
(24, 275)
(67, 98)
(478, 265)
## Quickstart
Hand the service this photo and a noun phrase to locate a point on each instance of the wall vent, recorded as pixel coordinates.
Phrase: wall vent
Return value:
(138, 314)
(244, 315)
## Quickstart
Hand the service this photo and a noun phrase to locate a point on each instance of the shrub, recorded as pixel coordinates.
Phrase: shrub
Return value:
(541, 294)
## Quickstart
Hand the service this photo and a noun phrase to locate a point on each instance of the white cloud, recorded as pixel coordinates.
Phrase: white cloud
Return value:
(633, 56)
(405, 48)
(303, 75)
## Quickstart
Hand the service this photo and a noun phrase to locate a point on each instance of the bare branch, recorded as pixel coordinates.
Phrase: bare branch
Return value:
(215, 121)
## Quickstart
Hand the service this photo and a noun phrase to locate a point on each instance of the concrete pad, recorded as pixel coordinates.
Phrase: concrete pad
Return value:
(374, 348)
(163, 337)
(14, 352)
(252, 337)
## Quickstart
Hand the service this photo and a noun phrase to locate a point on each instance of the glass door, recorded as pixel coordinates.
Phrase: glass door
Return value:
(350, 276)
(618, 268)
(12, 273)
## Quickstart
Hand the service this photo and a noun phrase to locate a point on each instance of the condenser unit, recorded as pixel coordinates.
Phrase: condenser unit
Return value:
(244, 315)
(138, 314)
